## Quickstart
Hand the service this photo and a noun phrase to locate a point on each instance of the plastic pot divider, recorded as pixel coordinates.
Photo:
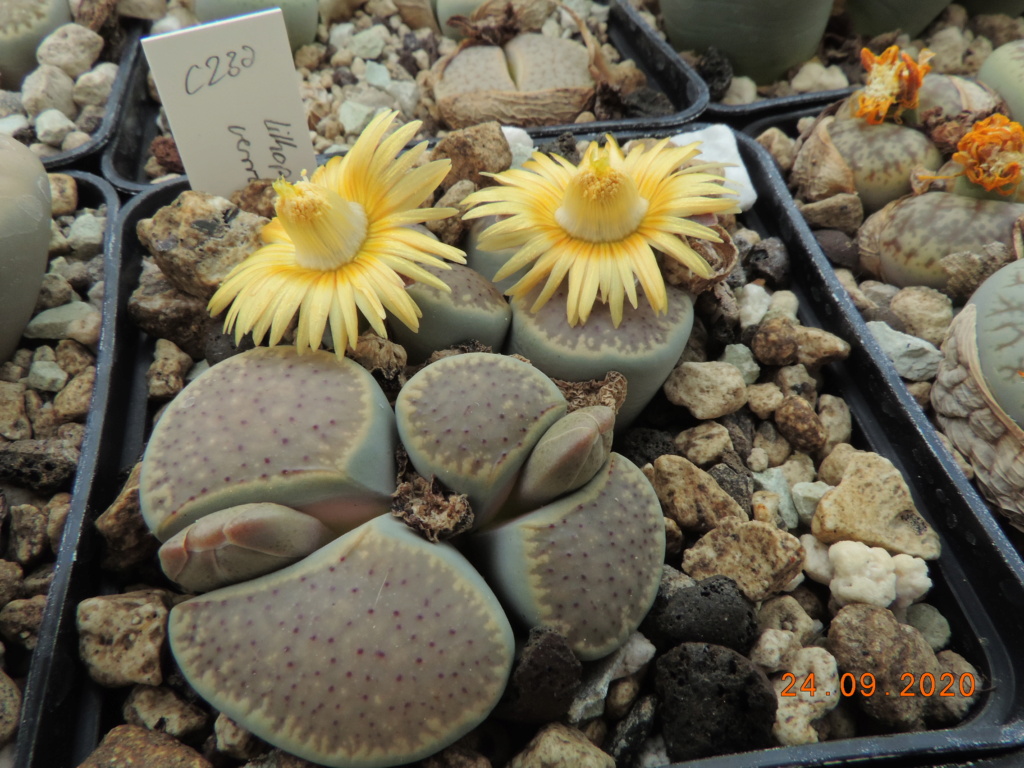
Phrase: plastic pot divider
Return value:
(979, 579)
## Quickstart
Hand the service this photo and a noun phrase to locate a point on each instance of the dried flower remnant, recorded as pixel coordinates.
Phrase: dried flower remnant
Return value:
(598, 223)
(992, 154)
(342, 244)
(893, 80)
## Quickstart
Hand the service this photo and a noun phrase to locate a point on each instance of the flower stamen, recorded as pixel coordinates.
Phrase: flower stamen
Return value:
(327, 230)
(601, 204)
(893, 82)
(992, 154)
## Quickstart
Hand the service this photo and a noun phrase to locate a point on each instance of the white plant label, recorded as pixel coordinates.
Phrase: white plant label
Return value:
(232, 98)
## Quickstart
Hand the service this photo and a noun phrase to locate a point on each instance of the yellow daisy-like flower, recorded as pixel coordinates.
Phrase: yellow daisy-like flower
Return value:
(342, 242)
(992, 154)
(599, 223)
(892, 83)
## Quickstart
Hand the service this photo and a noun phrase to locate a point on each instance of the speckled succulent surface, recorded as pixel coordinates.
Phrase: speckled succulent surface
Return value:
(272, 425)
(334, 657)
(999, 307)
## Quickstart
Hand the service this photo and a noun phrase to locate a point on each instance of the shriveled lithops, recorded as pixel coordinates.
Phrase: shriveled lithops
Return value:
(1003, 70)
(862, 145)
(379, 649)
(584, 565)
(531, 80)
(240, 543)
(471, 309)
(309, 431)
(24, 238)
(23, 25)
(978, 394)
(471, 420)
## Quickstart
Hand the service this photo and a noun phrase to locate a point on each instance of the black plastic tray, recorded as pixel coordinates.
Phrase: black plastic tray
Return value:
(737, 115)
(979, 579)
(124, 158)
(87, 154)
(54, 669)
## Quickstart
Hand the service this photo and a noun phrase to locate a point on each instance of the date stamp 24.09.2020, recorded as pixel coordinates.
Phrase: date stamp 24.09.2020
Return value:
(946, 684)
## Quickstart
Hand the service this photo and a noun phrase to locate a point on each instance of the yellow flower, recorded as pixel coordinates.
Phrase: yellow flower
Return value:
(892, 83)
(992, 154)
(598, 223)
(342, 241)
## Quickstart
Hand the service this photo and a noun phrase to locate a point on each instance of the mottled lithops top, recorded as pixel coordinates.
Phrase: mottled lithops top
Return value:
(378, 649)
(472, 420)
(999, 304)
(307, 431)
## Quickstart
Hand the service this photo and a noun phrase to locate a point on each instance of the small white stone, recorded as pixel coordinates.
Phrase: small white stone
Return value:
(86, 235)
(754, 302)
(48, 87)
(142, 9)
(814, 76)
(340, 34)
(369, 44)
(377, 75)
(76, 320)
(354, 116)
(914, 359)
(74, 140)
(774, 479)
(742, 90)
(741, 356)
(806, 497)
(46, 376)
(52, 126)
(589, 702)
(405, 92)
(71, 47)
(11, 124)
(93, 87)
(520, 142)
(718, 145)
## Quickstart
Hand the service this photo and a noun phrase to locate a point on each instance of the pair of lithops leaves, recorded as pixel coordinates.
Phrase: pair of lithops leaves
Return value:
(376, 646)
(915, 215)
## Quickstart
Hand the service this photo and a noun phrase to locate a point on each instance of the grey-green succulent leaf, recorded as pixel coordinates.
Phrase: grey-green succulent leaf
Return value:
(308, 431)
(376, 650)
(472, 419)
(240, 543)
(586, 565)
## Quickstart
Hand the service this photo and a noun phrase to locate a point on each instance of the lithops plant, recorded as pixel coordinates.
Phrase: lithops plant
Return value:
(472, 309)
(861, 145)
(874, 17)
(23, 25)
(978, 394)
(761, 38)
(905, 242)
(309, 431)
(24, 238)
(595, 227)
(379, 649)
(388, 647)
(300, 16)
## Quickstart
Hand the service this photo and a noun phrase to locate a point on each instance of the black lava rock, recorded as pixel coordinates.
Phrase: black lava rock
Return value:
(712, 611)
(738, 484)
(632, 731)
(544, 681)
(716, 71)
(219, 346)
(643, 445)
(712, 701)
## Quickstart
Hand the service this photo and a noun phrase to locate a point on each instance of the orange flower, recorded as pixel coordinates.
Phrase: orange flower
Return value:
(992, 154)
(892, 83)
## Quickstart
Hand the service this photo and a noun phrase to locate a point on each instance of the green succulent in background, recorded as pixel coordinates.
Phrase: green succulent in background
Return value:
(873, 17)
(300, 16)
(23, 25)
(24, 238)
(1003, 70)
(761, 38)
